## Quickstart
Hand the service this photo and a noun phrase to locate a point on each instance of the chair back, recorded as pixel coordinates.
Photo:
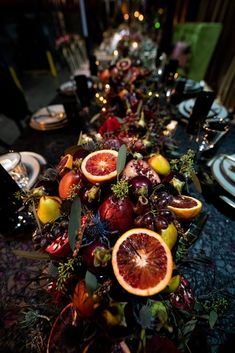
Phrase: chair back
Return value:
(202, 39)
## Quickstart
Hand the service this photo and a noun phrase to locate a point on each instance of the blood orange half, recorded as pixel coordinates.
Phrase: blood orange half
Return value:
(142, 262)
(100, 166)
(185, 207)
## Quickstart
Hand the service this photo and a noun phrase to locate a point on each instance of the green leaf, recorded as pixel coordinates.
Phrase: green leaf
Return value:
(121, 160)
(213, 318)
(31, 255)
(91, 282)
(74, 221)
(196, 182)
(52, 270)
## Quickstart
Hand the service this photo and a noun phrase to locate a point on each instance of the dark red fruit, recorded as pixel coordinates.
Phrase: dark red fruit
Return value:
(83, 303)
(90, 194)
(140, 187)
(68, 182)
(60, 247)
(183, 297)
(140, 167)
(96, 256)
(112, 144)
(118, 213)
(160, 223)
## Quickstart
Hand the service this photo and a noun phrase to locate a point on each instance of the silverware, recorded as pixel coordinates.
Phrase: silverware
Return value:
(228, 200)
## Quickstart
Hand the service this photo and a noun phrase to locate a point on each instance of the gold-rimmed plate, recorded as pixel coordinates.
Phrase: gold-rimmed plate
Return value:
(228, 167)
(49, 115)
(222, 180)
(35, 126)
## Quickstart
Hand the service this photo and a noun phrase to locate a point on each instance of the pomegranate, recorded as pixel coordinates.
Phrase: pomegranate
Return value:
(118, 213)
(139, 167)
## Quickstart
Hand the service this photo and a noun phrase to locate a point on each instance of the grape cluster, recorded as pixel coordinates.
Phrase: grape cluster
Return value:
(160, 216)
(49, 232)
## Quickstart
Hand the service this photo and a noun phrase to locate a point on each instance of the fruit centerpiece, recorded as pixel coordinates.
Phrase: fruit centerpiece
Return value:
(113, 219)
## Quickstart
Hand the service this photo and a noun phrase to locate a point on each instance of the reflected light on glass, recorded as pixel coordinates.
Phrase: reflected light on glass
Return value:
(150, 93)
(135, 45)
(103, 109)
(176, 75)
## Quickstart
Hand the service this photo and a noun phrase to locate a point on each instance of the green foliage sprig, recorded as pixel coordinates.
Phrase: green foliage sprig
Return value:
(184, 165)
(66, 270)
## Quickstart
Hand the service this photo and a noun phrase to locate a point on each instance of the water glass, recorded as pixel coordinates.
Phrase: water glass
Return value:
(12, 163)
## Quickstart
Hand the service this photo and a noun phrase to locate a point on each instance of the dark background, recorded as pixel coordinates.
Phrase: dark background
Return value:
(28, 28)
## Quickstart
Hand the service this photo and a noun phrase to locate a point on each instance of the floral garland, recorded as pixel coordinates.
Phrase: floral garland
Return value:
(109, 189)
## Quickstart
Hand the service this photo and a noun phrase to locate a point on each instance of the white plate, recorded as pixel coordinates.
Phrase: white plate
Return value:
(68, 87)
(32, 167)
(220, 178)
(193, 86)
(39, 157)
(228, 168)
(49, 115)
(185, 108)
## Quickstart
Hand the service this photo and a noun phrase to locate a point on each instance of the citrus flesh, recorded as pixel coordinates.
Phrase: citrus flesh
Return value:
(142, 262)
(100, 166)
(185, 207)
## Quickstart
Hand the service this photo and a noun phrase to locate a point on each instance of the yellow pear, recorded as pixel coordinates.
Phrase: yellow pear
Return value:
(49, 208)
(169, 235)
(160, 164)
(173, 284)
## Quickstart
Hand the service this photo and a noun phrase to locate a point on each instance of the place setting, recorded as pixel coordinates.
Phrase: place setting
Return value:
(51, 117)
(24, 167)
(216, 111)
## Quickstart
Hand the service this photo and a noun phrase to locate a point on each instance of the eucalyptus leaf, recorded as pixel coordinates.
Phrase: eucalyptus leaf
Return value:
(213, 316)
(31, 255)
(74, 222)
(91, 283)
(121, 160)
(52, 270)
(196, 182)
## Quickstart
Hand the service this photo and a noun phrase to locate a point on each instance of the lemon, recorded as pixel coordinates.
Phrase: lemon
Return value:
(48, 209)
(169, 235)
(160, 164)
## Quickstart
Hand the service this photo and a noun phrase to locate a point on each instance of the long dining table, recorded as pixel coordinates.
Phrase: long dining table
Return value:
(212, 266)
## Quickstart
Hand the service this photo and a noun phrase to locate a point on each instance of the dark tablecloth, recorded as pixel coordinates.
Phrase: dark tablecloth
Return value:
(216, 243)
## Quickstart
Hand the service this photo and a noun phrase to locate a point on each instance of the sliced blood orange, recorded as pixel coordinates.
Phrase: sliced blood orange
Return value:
(185, 207)
(64, 164)
(142, 262)
(100, 166)
(124, 64)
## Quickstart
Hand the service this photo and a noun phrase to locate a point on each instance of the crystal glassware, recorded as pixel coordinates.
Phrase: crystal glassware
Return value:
(12, 163)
